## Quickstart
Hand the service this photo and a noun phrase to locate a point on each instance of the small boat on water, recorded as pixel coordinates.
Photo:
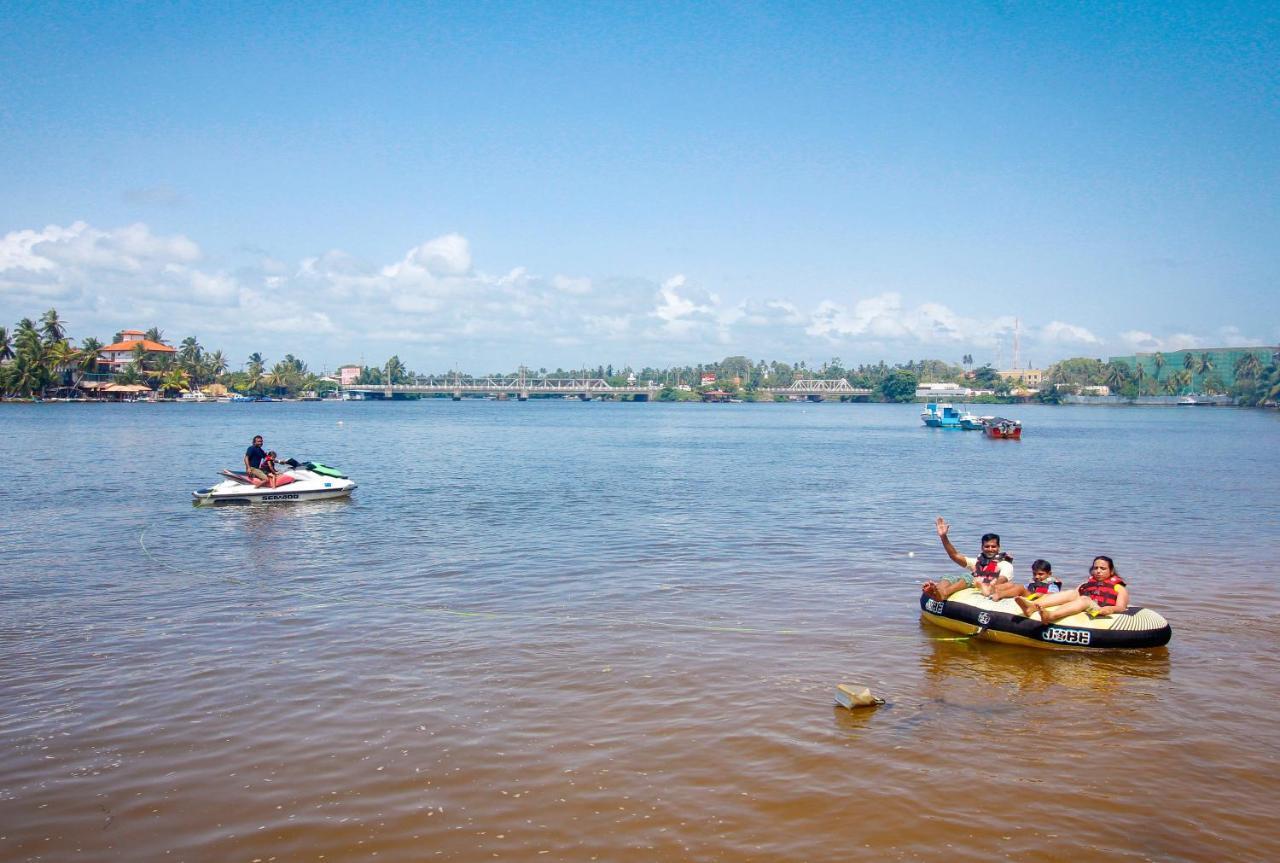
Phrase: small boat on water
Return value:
(970, 613)
(940, 415)
(969, 422)
(1001, 428)
(301, 481)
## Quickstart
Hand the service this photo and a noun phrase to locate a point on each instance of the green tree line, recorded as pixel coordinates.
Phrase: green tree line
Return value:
(38, 359)
(1256, 382)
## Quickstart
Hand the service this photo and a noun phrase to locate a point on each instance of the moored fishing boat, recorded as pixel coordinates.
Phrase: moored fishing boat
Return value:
(940, 416)
(999, 427)
(970, 613)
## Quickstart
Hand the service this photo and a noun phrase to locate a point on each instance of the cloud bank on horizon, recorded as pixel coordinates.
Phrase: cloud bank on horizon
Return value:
(437, 309)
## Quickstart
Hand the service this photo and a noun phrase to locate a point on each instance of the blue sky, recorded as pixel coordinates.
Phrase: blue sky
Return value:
(488, 184)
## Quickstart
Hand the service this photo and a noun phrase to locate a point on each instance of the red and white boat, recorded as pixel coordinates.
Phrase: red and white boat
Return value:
(999, 427)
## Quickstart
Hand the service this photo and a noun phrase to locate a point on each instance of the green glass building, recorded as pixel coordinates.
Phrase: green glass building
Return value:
(1212, 369)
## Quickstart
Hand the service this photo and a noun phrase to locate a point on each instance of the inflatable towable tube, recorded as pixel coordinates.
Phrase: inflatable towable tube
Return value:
(969, 612)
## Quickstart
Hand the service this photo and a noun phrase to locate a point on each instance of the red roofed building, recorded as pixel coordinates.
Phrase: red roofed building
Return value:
(117, 356)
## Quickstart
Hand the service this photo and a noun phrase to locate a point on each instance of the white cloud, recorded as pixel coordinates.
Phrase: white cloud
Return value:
(437, 309)
(567, 285)
(1059, 333)
(442, 257)
(681, 309)
(1144, 342)
(885, 319)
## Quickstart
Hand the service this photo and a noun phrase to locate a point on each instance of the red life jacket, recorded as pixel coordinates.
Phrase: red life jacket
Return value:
(1102, 590)
(1043, 588)
(268, 465)
(987, 569)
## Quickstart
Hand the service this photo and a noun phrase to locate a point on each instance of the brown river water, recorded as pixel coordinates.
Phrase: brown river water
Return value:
(567, 631)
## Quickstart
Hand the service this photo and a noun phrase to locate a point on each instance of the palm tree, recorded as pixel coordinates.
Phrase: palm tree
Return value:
(1188, 361)
(278, 378)
(1212, 385)
(59, 358)
(294, 364)
(217, 363)
(1180, 381)
(1115, 375)
(212, 365)
(189, 354)
(27, 375)
(254, 370)
(1271, 387)
(1203, 364)
(130, 374)
(30, 372)
(87, 357)
(173, 380)
(26, 338)
(155, 334)
(163, 362)
(52, 327)
(1158, 361)
(6, 345)
(1248, 367)
(1140, 374)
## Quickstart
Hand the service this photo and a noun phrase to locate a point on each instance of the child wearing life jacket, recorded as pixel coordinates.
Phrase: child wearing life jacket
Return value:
(1042, 580)
(1042, 583)
(1105, 593)
(268, 467)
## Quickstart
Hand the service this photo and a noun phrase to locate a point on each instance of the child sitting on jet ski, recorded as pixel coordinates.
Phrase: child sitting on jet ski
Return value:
(268, 467)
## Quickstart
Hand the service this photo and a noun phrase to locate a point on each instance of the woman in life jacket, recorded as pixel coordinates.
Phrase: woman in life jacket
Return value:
(1042, 582)
(1105, 593)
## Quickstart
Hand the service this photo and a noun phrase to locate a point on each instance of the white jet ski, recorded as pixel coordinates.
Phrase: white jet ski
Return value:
(299, 481)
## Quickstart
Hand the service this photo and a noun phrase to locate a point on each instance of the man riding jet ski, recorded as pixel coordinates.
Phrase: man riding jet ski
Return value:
(291, 481)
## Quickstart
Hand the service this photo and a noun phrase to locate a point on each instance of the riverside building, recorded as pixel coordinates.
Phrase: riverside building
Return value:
(1212, 369)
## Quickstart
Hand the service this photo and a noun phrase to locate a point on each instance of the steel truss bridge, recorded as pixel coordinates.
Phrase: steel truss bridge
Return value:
(815, 390)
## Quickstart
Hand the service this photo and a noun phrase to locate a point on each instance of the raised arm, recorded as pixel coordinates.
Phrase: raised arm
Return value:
(943, 529)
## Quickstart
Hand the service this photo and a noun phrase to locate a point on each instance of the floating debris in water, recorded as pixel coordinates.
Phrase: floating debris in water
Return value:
(851, 695)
